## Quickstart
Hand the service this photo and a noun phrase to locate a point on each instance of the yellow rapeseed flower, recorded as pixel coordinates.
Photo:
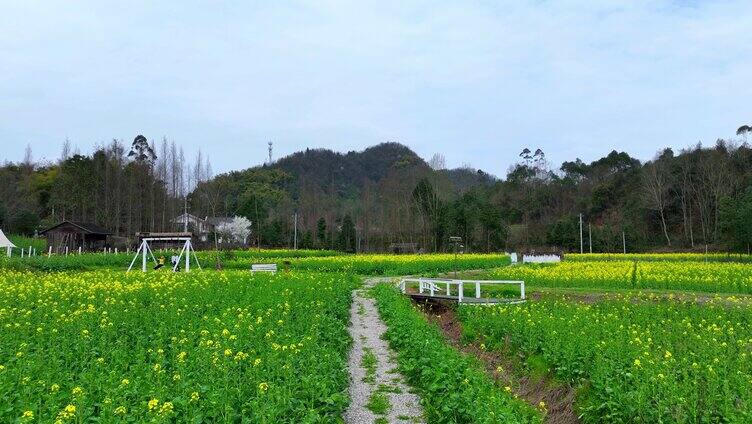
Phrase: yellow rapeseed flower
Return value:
(166, 408)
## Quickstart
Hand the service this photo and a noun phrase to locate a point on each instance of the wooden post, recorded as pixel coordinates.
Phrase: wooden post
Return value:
(448, 293)
(79, 250)
(522, 290)
(477, 289)
(49, 251)
(66, 250)
(461, 292)
(420, 286)
(22, 252)
(9, 251)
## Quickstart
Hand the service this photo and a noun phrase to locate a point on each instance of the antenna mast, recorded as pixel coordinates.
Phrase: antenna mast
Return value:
(270, 153)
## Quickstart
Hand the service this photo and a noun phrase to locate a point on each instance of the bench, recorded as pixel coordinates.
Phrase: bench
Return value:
(264, 268)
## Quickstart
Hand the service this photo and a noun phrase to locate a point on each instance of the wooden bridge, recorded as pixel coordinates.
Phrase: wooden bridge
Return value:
(436, 289)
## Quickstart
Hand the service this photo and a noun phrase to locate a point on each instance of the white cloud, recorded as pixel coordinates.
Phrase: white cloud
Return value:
(476, 81)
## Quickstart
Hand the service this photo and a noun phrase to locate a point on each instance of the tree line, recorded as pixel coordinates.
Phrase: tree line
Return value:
(388, 198)
(124, 187)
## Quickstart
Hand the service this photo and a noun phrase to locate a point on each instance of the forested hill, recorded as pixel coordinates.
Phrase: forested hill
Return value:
(348, 173)
(323, 168)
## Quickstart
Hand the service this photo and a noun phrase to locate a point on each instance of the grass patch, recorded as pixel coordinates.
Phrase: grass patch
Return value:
(378, 403)
(385, 388)
(368, 362)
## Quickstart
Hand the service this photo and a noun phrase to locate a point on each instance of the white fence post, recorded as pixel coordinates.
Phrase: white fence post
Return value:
(9, 251)
(188, 256)
(522, 290)
(49, 252)
(448, 293)
(461, 292)
(143, 256)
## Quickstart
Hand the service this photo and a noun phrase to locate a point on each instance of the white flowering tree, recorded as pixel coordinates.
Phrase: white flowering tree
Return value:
(235, 230)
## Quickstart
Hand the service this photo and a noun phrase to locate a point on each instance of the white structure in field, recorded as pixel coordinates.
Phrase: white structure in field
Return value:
(4, 242)
(541, 259)
(513, 257)
(186, 250)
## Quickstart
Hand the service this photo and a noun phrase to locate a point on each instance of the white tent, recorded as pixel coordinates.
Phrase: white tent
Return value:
(4, 242)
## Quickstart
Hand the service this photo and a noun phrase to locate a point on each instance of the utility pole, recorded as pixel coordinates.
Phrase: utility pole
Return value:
(581, 245)
(295, 238)
(455, 242)
(590, 237)
(185, 213)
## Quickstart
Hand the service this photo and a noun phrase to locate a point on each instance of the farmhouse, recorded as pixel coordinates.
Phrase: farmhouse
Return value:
(89, 237)
(201, 227)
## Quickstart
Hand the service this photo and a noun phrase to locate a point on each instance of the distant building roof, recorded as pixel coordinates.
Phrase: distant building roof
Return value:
(164, 235)
(86, 227)
(218, 220)
(182, 217)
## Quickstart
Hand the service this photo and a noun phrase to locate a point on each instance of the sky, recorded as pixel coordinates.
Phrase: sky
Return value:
(475, 81)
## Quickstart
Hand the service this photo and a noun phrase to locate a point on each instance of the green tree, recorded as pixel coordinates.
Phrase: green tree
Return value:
(346, 239)
(141, 151)
(24, 222)
(321, 232)
(3, 213)
(735, 220)
(432, 212)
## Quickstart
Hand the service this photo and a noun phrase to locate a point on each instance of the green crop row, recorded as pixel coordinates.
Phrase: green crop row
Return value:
(634, 360)
(710, 277)
(304, 260)
(454, 388)
(672, 257)
(374, 264)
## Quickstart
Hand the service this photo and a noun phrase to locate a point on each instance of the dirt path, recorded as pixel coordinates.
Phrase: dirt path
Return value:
(378, 393)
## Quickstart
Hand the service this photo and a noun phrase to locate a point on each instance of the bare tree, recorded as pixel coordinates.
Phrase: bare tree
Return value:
(66, 151)
(437, 162)
(656, 188)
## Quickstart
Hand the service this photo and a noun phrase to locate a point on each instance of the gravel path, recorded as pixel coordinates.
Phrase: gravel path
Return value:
(375, 382)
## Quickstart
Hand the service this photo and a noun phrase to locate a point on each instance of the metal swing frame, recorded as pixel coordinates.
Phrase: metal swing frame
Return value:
(187, 249)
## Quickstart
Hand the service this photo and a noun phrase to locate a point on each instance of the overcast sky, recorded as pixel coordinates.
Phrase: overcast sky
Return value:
(477, 81)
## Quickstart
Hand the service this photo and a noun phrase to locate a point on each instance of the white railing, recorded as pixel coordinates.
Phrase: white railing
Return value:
(264, 268)
(439, 286)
